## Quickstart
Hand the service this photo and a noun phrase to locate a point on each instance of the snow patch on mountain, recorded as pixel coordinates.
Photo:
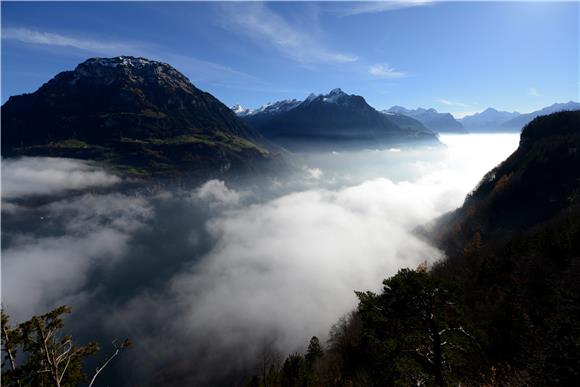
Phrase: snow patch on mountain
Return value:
(335, 96)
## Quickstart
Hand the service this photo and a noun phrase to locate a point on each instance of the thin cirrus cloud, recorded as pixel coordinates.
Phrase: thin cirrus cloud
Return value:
(198, 69)
(385, 71)
(452, 103)
(26, 35)
(266, 27)
(366, 7)
(533, 92)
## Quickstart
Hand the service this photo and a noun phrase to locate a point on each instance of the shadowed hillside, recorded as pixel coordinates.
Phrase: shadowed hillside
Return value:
(141, 116)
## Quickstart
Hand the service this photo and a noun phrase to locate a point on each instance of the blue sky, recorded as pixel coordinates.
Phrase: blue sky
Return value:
(454, 56)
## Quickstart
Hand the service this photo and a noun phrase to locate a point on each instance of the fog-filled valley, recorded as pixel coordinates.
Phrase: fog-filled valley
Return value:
(204, 279)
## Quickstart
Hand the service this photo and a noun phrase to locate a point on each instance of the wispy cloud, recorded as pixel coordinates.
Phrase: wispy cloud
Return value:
(533, 92)
(359, 8)
(205, 71)
(197, 69)
(29, 36)
(452, 103)
(263, 25)
(385, 71)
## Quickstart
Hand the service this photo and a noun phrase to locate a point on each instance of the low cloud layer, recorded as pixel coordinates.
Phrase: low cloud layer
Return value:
(64, 241)
(204, 280)
(31, 176)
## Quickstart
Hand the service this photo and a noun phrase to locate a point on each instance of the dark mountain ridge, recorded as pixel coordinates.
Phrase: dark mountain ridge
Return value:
(336, 119)
(129, 111)
(514, 253)
(539, 180)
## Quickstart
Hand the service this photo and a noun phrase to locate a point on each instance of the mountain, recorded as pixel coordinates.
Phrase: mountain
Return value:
(136, 114)
(492, 120)
(277, 107)
(271, 108)
(518, 122)
(513, 253)
(431, 118)
(334, 119)
(406, 122)
(240, 111)
(489, 120)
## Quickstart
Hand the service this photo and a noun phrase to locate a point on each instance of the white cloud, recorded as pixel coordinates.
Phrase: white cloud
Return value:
(215, 285)
(26, 35)
(385, 71)
(284, 270)
(198, 70)
(265, 26)
(217, 193)
(89, 212)
(314, 173)
(452, 103)
(359, 8)
(30, 176)
(204, 71)
(39, 273)
(86, 232)
(533, 92)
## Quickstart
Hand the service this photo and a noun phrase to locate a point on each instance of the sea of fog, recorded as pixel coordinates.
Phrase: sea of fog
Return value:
(203, 280)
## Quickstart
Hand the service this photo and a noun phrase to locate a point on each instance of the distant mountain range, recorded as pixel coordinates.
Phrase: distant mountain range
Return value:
(139, 115)
(492, 120)
(333, 119)
(144, 117)
(489, 120)
(523, 119)
(431, 118)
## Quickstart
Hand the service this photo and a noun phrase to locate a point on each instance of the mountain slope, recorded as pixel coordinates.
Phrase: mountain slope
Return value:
(488, 120)
(334, 119)
(521, 120)
(431, 118)
(131, 111)
(514, 254)
(406, 122)
(492, 120)
(538, 181)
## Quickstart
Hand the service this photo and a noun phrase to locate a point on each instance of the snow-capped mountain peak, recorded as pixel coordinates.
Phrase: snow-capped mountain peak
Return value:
(334, 96)
(278, 107)
(267, 108)
(311, 97)
(241, 111)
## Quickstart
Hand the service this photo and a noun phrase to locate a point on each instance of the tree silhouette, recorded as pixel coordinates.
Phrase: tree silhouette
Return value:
(36, 353)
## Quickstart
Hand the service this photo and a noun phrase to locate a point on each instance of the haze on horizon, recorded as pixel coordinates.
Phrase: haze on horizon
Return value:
(430, 54)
